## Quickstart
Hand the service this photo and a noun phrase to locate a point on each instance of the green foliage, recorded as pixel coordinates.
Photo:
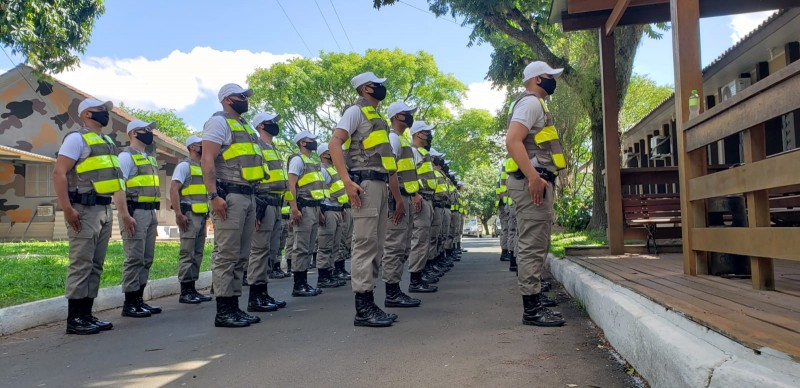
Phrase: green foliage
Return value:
(560, 241)
(644, 95)
(312, 93)
(573, 212)
(32, 271)
(168, 121)
(479, 193)
(48, 34)
(473, 139)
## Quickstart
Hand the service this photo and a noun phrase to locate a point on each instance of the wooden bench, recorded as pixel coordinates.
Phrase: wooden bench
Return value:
(649, 211)
(785, 209)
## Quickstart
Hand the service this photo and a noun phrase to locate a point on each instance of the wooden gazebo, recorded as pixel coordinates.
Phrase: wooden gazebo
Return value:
(745, 113)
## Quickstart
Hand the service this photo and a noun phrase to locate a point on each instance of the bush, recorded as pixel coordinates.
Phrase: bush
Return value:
(573, 212)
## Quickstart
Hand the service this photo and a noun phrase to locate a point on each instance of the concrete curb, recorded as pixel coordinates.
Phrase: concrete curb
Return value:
(666, 348)
(41, 312)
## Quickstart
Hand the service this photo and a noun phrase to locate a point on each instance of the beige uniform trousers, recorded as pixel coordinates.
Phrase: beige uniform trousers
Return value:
(330, 235)
(346, 239)
(87, 250)
(420, 237)
(258, 266)
(533, 227)
(305, 235)
(502, 213)
(513, 233)
(369, 233)
(455, 222)
(436, 224)
(139, 248)
(193, 242)
(233, 238)
(289, 247)
(277, 241)
(398, 239)
(444, 231)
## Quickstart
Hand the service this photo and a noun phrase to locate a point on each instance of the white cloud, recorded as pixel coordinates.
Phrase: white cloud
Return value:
(742, 24)
(481, 96)
(174, 82)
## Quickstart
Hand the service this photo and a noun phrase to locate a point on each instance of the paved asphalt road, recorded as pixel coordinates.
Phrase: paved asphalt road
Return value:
(467, 335)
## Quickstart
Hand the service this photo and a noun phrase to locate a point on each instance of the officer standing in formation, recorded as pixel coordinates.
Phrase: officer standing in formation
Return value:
(535, 159)
(500, 202)
(232, 164)
(423, 220)
(369, 160)
(330, 229)
(136, 208)
(187, 194)
(306, 185)
(85, 177)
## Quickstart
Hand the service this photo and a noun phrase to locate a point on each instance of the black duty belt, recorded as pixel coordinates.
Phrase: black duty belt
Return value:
(366, 175)
(327, 208)
(439, 204)
(270, 199)
(346, 206)
(427, 197)
(544, 173)
(89, 199)
(307, 202)
(237, 189)
(406, 193)
(144, 206)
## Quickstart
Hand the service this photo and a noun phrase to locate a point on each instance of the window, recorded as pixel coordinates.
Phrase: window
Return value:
(39, 180)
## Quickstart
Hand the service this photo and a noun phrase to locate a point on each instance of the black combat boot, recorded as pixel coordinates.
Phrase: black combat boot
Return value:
(504, 255)
(301, 288)
(429, 277)
(325, 279)
(132, 308)
(76, 321)
(396, 298)
(534, 313)
(277, 302)
(418, 284)
(512, 266)
(241, 314)
(276, 272)
(187, 294)
(152, 309)
(203, 298)
(391, 316)
(367, 315)
(288, 272)
(547, 302)
(226, 314)
(256, 302)
(546, 286)
(86, 305)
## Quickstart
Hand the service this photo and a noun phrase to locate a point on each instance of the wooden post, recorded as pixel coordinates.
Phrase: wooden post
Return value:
(685, 15)
(755, 149)
(611, 139)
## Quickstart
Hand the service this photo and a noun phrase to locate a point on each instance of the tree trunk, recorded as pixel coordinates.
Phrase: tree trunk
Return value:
(485, 223)
(599, 219)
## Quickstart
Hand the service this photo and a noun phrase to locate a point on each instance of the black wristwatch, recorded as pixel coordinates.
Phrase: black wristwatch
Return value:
(211, 196)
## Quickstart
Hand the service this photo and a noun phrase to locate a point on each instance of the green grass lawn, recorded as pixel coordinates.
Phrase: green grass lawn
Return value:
(37, 270)
(560, 241)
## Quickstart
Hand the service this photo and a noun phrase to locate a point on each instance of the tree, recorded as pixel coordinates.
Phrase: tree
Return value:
(519, 32)
(644, 95)
(168, 121)
(472, 139)
(479, 195)
(312, 93)
(48, 34)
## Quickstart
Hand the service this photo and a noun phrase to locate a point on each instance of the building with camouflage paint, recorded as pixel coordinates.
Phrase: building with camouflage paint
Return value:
(35, 116)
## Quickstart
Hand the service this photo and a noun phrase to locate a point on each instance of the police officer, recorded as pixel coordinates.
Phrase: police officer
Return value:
(306, 185)
(232, 164)
(433, 267)
(187, 193)
(404, 203)
(283, 246)
(270, 194)
(136, 209)
(330, 229)
(85, 177)
(421, 136)
(501, 202)
(535, 159)
(369, 160)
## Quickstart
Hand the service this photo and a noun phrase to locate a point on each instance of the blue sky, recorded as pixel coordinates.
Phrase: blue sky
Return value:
(176, 54)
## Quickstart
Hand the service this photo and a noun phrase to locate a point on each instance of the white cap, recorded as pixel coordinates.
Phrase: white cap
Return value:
(228, 89)
(322, 148)
(138, 124)
(302, 135)
(420, 126)
(435, 153)
(93, 103)
(363, 78)
(194, 139)
(265, 116)
(399, 107)
(535, 69)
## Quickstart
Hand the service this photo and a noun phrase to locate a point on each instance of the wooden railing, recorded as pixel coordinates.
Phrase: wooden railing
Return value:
(747, 113)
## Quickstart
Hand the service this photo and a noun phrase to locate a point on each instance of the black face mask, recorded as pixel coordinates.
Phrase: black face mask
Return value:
(146, 138)
(239, 106)
(378, 92)
(101, 117)
(200, 151)
(409, 120)
(549, 85)
(311, 145)
(272, 129)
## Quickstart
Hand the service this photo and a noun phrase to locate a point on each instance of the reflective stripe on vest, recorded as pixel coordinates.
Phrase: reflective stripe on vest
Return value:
(194, 190)
(100, 171)
(370, 150)
(425, 173)
(542, 142)
(144, 187)
(336, 188)
(406, 170)
(244, 151)
(285, 210)
(277, 180)
(312, 177)
(441, 183)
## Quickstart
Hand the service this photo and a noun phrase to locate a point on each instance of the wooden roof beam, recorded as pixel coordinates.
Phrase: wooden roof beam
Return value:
(579, 6)
(616, 15)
